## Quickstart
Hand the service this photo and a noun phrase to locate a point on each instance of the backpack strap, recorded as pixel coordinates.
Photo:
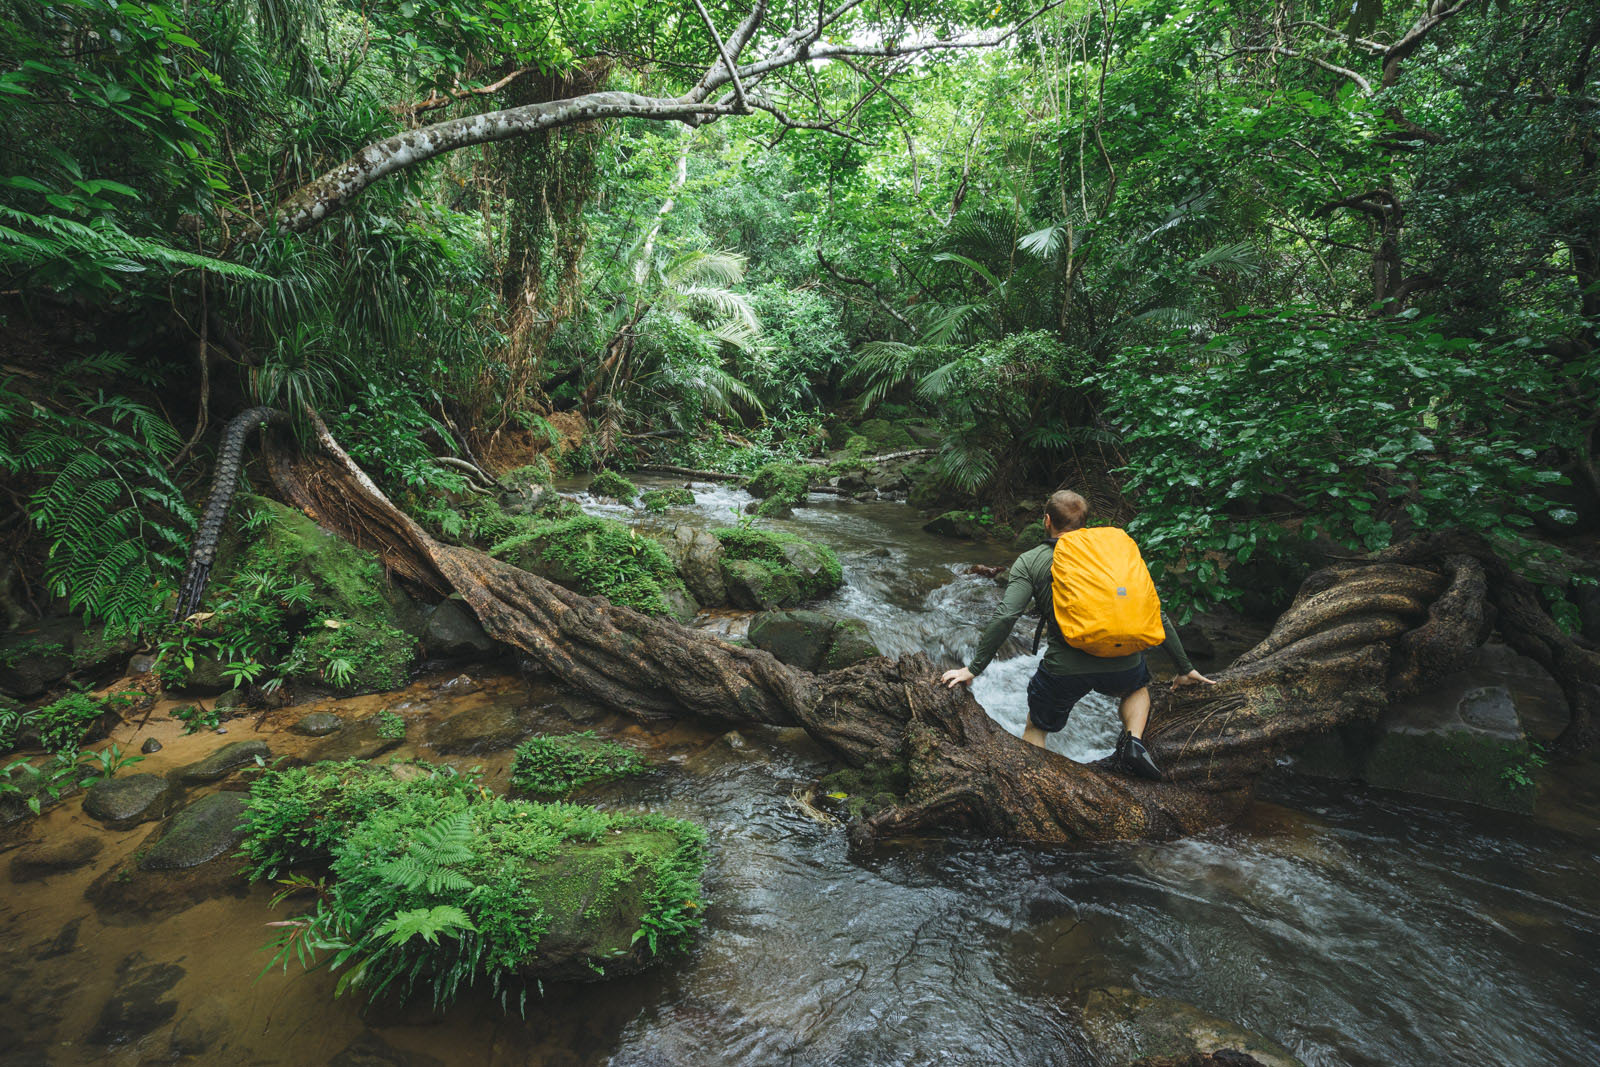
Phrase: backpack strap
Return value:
(1047, 609)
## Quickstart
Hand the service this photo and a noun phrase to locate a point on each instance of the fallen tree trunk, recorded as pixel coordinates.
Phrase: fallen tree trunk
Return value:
(1359, 635)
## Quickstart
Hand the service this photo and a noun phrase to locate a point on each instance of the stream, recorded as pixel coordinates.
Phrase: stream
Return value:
(1348, 926)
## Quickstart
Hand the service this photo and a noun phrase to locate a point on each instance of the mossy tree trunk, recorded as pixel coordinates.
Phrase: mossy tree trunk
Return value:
(1359, 635)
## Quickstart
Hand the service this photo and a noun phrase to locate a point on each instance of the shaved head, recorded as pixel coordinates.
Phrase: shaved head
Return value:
(1066, 510)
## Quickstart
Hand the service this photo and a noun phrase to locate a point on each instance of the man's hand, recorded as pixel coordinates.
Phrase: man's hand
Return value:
(1192, 678)
(956, 676)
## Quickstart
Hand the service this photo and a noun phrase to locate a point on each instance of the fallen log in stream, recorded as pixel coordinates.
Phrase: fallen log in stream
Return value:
(1359, 635)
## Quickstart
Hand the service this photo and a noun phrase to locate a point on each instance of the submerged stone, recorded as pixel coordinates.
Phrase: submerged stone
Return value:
(200, 832)
(123, 803)
(479, 730)
(1125, 1026)
(225, 759)
(371, 1050)
(317, 724)
(361, 740)
(140, 1004)
(54, 856)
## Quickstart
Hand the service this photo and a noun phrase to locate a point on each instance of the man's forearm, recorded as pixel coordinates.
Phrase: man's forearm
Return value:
(1172, 644)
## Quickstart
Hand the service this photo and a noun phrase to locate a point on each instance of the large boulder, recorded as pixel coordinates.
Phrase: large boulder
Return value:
(1464, 739)
(697, 556)
(123, 803)
(757, 585)
(453, 632)
(811, 640)
(206, 829)
(798, 638)
(34, 660)
(851, 645)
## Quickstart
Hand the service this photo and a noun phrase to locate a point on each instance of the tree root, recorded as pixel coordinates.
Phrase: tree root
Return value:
(1360, 634)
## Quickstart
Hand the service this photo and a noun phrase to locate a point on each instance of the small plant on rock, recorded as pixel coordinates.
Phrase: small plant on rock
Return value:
(610, 483)
(555, 766)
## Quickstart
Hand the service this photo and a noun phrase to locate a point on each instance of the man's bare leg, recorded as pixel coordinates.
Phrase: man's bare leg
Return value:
(1037, 737)
(1135, 711)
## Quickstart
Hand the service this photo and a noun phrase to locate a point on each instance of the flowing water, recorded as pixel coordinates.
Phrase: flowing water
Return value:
(1349, 926)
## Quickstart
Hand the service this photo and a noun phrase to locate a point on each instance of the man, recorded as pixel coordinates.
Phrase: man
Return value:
(1067, 674)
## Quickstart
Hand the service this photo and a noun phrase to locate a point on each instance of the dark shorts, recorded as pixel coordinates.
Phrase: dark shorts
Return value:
(1051, 697)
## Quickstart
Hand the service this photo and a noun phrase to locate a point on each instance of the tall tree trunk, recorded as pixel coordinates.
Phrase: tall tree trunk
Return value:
(1359, 635)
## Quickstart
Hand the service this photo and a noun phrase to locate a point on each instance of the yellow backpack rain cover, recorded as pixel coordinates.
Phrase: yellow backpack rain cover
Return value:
(1105, 600)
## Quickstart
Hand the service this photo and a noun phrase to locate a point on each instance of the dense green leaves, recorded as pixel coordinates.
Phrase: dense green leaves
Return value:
(1292, 427)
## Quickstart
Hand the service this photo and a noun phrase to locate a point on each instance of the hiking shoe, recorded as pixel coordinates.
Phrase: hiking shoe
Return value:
(1133, 757)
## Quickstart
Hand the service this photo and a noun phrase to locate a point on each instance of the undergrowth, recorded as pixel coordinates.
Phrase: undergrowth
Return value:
(596, 557)
(555, 766)
(432, 882)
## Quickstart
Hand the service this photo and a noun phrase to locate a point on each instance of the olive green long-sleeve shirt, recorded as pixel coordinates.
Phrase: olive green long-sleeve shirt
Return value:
(1029, 582)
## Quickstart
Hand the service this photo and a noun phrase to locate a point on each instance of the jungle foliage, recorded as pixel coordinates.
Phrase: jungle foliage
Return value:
(422, 880)
(1034, 245)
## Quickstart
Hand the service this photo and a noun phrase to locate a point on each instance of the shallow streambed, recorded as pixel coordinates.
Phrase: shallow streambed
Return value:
(1350, 927)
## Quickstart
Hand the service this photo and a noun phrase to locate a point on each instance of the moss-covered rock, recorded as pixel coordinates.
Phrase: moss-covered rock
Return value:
(862, 792)
(851, 645)
(756, 585)
(610, 483)
(352, 656)
(766, 569)
(537, 890)
(555, 766)
(659, 500)
(600, 557)
(1030, 536)
(125, 802)
(811, 640)
(885, 436)
(199, 833)
(346, 582)
(223, 761)
(1458, 765)
(780, 485)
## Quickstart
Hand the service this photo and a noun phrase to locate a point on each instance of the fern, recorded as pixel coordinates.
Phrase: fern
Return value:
(426, 923)
(115, 522)
(95, 252)
(425, 863)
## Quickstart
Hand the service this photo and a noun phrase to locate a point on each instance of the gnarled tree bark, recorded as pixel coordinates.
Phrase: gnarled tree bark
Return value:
(1359, 635)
